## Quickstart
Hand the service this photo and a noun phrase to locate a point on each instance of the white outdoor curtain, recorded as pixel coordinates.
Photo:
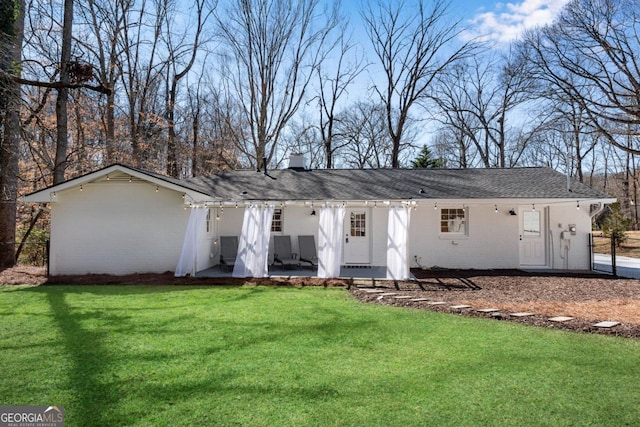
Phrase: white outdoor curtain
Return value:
(398, 243)
(330, 241)
(195, 225)
(253, 246)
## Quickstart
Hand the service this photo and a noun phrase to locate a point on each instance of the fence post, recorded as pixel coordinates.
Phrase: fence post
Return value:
(613, 255)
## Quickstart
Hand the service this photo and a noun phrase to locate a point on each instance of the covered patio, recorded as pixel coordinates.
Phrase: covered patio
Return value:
(346, 272)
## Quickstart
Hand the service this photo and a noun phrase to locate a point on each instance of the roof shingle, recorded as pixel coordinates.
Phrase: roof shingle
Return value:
(394, 184)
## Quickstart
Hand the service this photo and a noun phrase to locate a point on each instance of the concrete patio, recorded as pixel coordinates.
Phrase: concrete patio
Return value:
(372, 272)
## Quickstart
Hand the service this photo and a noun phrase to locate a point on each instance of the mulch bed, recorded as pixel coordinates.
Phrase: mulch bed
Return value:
(589, 298)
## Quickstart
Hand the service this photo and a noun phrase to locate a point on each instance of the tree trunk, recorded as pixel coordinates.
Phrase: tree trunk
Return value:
(63, 96)
(11, 43)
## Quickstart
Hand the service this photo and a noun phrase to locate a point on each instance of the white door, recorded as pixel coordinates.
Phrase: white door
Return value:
(356, 237)
(532, 238)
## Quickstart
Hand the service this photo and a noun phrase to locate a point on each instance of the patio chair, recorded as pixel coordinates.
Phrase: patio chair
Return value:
(282, 252)
(228, 252)
(308, 254)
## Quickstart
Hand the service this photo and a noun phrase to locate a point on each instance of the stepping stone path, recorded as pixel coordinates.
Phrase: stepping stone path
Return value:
(494, 311)
(560, 319)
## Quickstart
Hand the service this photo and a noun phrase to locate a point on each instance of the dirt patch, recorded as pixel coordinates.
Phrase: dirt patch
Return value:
(588, 298)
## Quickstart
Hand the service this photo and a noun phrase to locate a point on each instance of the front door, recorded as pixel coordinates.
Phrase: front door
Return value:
(532, 238)
(356, 237)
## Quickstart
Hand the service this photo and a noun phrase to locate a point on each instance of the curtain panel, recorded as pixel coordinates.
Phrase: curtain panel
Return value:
(253, 246)
(398, 243)
(195, 225)
(330, 241)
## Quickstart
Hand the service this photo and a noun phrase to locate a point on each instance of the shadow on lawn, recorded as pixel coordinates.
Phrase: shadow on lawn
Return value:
(89, 361)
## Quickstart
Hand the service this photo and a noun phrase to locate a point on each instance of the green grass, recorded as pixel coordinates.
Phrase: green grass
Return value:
(259, 356)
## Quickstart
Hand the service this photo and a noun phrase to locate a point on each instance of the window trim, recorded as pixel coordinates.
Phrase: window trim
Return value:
(454, 234)
(280, 220)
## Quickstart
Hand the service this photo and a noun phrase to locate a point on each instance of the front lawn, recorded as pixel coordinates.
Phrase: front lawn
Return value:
(268, 356)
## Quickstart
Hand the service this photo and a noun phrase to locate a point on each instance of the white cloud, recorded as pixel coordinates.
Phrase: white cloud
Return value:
(508, 20)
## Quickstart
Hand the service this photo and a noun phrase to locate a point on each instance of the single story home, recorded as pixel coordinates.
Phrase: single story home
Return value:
(122, 220)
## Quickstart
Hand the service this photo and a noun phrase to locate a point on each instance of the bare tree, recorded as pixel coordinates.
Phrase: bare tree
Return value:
(182, 56)
(11, 36)
(590, 55)
(414, 44)
(363, 136)
(141, 77)
(333, 83)
(480, 98)
(105, 20)
(274, 46)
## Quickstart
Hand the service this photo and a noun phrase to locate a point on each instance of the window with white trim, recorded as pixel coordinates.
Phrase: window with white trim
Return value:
(208, 222)
(453, 221)
(276, 223)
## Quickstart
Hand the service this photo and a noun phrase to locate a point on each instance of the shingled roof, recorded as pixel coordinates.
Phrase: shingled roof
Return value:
(392, 184)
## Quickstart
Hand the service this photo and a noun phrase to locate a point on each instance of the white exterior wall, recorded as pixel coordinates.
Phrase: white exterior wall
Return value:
(492, 240)
(570, 254)
(116, 228)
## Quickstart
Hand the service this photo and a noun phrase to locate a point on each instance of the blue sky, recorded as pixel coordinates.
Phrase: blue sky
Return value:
(502, 22)
(498, 21)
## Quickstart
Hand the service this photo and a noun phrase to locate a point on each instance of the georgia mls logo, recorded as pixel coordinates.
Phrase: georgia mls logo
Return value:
(31, 416)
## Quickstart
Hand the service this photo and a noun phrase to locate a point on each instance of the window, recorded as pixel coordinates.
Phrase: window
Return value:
(358, 224)
(531, 224)
(208, 221)
(276, 223)
(453, 221)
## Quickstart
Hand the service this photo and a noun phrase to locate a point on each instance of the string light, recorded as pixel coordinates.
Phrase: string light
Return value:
(496, 206)
(157, 188)
(534, 207)
(435, 206)
(81, 188)
(578, 205)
